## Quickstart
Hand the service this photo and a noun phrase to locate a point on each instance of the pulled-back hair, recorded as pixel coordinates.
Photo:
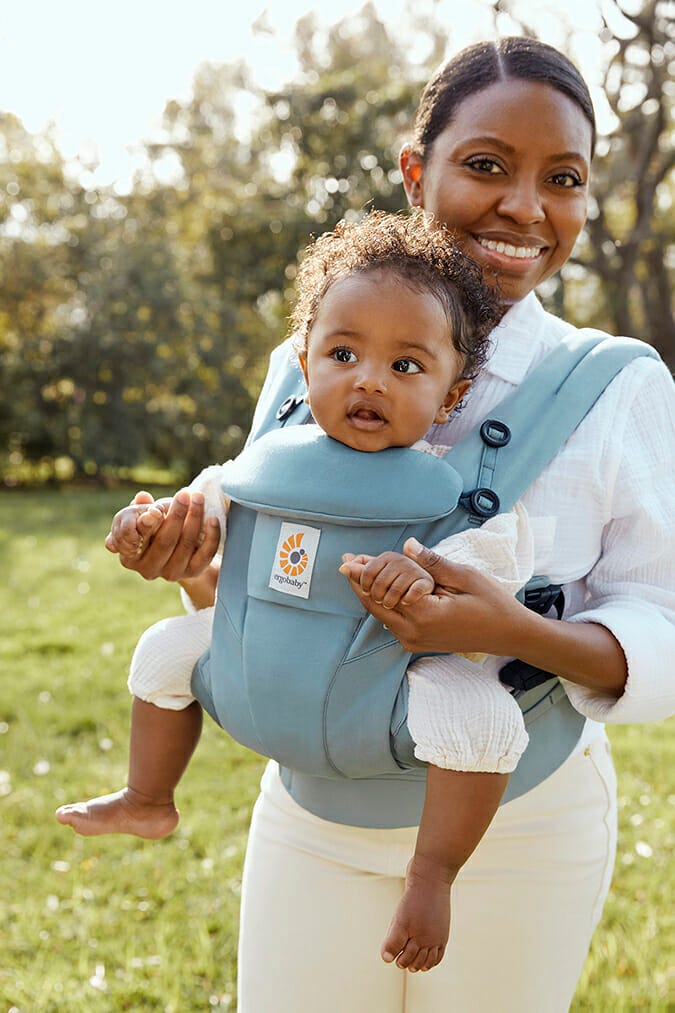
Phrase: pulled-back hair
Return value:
(425, 259)
(479, 66)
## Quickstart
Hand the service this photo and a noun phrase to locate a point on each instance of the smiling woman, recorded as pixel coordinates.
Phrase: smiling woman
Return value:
(511, 173)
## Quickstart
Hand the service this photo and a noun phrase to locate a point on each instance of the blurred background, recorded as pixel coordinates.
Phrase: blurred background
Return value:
(161, 166)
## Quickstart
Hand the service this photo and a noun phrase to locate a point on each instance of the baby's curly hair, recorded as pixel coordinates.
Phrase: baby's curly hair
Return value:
(425, 258)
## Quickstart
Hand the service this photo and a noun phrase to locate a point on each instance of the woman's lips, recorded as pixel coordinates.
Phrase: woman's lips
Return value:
(507, 256)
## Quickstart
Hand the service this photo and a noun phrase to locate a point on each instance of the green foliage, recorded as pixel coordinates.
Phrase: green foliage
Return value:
(134, 330)
(110, 924)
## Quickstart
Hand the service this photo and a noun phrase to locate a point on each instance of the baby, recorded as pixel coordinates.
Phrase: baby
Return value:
(390, 326)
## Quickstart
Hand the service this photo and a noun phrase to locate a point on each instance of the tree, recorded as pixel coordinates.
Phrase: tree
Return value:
(621, 278)
(632, 226)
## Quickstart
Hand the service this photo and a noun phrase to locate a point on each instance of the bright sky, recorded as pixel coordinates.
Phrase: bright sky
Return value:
(102, 72)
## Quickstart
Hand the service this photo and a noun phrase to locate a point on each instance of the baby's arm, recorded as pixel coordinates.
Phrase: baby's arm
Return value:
(390, 578)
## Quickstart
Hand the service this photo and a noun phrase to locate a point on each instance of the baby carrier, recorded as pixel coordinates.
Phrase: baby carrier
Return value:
(298, 670)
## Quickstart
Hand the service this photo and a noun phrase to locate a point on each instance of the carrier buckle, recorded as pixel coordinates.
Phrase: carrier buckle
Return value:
(541, 599)
(482, 502)
(495, 433)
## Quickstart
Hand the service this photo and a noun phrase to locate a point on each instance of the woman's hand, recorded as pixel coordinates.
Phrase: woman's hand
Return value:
(468, 612)
(182, 547)
(471, 613)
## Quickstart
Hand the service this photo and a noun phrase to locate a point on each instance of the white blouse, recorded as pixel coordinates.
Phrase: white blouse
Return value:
(603, 511)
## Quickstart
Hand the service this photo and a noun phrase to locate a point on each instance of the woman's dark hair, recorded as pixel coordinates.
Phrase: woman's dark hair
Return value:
(423, 258)
(479, 66)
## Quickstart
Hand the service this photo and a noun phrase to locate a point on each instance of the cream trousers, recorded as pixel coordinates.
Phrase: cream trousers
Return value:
(317, 899)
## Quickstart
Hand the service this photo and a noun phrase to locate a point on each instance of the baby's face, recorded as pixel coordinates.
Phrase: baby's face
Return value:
(380, 364)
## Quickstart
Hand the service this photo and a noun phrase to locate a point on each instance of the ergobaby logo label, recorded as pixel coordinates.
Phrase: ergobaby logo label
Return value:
(294, 559)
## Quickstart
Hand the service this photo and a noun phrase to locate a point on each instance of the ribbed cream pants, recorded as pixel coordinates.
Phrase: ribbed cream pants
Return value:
(317, 899)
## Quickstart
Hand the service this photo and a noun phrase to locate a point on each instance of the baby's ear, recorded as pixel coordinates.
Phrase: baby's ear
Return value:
(302, 359)
(452, 399)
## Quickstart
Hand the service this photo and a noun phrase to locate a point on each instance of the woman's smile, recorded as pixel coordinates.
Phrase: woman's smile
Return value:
(512, 250)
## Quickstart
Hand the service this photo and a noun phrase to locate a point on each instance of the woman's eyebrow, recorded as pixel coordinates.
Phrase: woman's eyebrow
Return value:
(497, 142)
(570, 156)
(491, 140)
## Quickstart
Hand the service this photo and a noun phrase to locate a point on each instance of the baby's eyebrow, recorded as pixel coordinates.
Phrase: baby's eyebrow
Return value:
(427, 349)
(342, 332)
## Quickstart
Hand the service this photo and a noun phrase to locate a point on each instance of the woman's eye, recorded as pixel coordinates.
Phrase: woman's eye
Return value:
(406, 366)
(568, 180)
(487, 165)
(343, 355)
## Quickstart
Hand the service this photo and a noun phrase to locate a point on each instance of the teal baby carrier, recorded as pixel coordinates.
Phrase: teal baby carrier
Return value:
(297, 669)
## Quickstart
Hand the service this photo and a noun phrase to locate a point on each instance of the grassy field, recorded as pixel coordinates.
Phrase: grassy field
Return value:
(120, 924)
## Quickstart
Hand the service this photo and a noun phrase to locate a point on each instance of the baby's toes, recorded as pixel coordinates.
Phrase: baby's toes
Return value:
(395, 941)
(421, 961)
(410, 951)
(434, 956)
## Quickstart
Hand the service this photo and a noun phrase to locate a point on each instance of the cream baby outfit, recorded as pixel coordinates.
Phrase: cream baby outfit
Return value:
(459, 715)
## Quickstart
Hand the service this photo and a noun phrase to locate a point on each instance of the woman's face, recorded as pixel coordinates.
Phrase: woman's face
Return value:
(509, 175)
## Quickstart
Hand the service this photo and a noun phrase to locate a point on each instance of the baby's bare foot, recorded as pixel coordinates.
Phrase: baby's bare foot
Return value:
(418, 933)
(123, 812)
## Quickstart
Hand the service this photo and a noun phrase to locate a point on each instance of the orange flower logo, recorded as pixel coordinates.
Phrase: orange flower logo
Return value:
(293, 559)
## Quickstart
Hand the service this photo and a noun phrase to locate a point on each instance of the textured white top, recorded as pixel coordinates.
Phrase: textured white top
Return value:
(603, 511)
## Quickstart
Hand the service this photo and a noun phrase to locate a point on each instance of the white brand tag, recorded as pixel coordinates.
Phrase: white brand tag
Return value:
(294, 559)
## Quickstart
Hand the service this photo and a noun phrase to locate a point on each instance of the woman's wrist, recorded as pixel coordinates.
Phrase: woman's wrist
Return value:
(201, 590)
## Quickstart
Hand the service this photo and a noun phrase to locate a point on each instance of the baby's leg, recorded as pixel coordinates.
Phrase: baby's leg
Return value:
(458, 809)
(471, 732)
(161, 744)
(163, 736)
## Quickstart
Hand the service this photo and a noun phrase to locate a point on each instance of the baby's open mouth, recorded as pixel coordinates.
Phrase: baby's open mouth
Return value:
(366, 417)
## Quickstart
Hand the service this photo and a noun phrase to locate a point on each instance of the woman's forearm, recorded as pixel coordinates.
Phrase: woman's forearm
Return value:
(470, 612)
(584, 653)
(201, 590)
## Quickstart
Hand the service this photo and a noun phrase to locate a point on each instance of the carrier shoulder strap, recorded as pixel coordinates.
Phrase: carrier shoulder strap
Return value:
(501, 459)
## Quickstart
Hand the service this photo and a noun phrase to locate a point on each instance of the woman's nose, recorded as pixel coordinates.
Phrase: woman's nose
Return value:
(522, 203)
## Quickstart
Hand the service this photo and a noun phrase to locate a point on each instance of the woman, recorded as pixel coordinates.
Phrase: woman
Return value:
(501, 154)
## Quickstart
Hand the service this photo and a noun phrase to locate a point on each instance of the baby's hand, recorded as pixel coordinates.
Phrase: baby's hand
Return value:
(134, 526)
(390, 578)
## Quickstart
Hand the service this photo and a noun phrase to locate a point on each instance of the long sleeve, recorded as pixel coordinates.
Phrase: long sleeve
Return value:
(631, 588)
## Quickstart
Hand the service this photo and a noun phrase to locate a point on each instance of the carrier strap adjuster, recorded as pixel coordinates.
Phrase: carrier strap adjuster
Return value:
(288, 406)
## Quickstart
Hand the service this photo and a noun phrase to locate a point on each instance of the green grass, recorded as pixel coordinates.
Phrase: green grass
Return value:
(119, 924)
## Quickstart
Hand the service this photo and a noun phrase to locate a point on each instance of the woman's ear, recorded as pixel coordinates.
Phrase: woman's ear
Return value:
(412, 167)
(452, 399)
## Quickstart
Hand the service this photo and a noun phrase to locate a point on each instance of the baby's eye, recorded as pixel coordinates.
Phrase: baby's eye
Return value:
(406, 366)
(343, 355)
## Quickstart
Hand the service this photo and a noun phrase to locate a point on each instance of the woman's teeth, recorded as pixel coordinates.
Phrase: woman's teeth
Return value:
(520, 252)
